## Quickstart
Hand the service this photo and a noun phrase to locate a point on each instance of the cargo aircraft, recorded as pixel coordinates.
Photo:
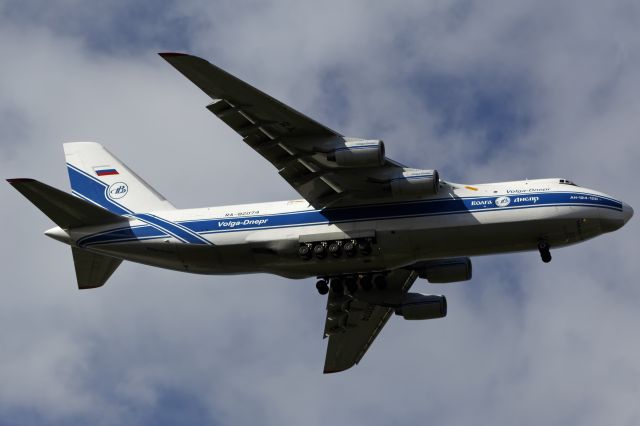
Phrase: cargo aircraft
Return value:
(366, 226)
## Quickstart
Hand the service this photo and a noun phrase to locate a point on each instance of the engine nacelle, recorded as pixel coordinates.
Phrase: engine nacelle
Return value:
(445, 270)
(369, 153)
(416, 306)
(416, 182)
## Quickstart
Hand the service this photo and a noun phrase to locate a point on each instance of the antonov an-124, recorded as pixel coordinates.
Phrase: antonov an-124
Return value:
(367, 227)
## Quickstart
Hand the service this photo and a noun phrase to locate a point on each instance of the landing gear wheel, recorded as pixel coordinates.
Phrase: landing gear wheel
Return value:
(320, 250)
(365, 282)
(350, 248)
(304, 251)
(380, 281)
(351, 284)
(336, 286)
(545, 254)
(322, 286)
(365, 247)
(334, 249)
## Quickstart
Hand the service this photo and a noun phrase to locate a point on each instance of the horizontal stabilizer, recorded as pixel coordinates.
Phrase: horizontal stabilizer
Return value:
(93, 270)
(66, 210)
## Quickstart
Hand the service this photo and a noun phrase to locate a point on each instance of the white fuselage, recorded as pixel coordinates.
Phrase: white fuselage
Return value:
(458, 221)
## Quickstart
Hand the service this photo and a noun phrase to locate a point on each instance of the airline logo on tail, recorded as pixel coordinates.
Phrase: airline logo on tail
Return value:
(117, 190)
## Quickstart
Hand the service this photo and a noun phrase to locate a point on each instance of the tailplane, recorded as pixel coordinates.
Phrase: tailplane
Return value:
(68, 211)
(99, 177)
(62, 208)
(105, 189)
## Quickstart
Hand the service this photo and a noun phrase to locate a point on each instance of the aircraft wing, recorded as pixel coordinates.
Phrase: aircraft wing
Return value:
(353, 323)
(294, 143)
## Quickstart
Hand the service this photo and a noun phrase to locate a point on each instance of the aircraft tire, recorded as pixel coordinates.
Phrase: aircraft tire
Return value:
(380, 281)
(350, 248)
(304, 251)
(351, 284)
(364, 247)
(320, 251)
(322, 287)
(365, 282)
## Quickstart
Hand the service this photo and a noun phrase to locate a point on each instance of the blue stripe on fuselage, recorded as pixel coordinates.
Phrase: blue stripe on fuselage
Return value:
(120, 235)
(398, 210)
(191, 230)
(180, 232)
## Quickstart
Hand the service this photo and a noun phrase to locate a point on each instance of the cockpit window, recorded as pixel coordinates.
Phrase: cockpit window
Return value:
(567, 182)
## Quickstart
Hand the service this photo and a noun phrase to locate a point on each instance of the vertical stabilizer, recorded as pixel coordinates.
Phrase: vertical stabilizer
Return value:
(98, 176)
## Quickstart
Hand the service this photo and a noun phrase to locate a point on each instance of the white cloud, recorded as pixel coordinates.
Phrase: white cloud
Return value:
(525, 342)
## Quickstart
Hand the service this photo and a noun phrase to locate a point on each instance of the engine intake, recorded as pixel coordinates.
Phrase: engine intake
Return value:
(369, 153)
(416, 306)
(416, 182)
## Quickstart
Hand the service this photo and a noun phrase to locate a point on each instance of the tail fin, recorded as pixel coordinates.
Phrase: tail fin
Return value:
(99, 177)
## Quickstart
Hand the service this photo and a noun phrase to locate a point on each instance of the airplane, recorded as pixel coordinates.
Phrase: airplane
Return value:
(367, 226)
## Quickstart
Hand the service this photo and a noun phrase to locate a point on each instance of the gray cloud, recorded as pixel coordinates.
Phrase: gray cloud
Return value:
(483, 91)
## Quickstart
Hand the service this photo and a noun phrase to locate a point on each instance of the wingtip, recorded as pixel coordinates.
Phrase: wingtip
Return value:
(20, 180)
(171, 54)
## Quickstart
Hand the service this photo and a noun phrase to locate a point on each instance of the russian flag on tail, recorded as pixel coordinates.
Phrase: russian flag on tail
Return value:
(105, 171)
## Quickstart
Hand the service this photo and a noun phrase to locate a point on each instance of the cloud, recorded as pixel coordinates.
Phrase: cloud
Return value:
(483, 91)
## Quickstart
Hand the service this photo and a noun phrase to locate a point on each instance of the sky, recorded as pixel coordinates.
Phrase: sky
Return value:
(485, 91)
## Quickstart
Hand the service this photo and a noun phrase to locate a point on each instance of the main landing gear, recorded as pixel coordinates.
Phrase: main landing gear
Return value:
(336, 249)
(322, 286)
(545, 254)
(351, 283)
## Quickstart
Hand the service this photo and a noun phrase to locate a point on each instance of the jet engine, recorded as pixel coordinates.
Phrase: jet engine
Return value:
(416, 306)
(368, 153)
(445, 270)
(416, 182)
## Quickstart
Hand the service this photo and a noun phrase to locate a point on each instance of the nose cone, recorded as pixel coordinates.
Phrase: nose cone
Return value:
(627, 212)
(614, 220)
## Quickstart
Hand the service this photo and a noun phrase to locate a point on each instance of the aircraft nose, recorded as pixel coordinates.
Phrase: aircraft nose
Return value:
(627, 212)
(612, 221)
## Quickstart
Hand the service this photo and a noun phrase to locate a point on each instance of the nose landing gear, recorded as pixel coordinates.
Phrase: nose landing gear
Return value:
(545, 254)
